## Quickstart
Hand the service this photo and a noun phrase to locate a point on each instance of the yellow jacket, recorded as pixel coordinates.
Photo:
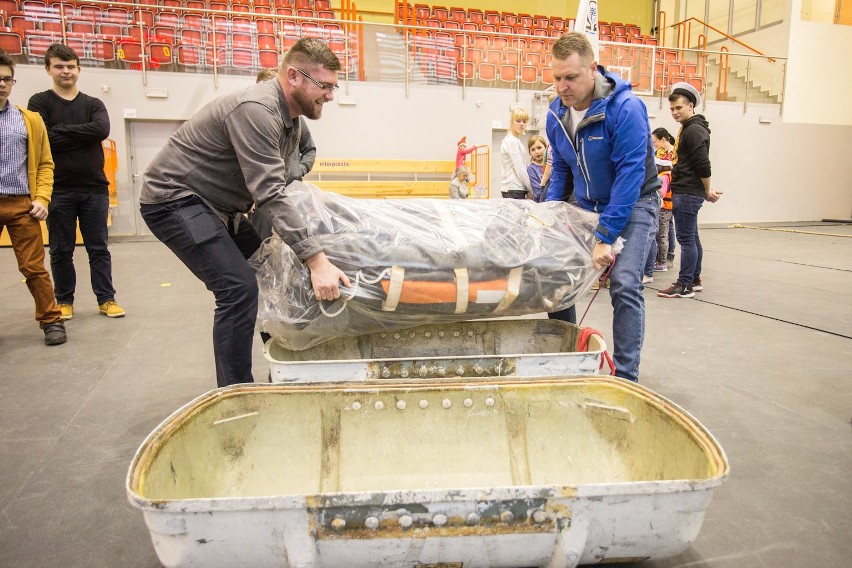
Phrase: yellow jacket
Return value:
(39, 158)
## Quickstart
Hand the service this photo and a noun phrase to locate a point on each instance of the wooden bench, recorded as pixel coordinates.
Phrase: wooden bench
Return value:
(381, 179)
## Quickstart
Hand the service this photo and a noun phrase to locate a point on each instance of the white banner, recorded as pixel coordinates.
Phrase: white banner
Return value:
(587, 22)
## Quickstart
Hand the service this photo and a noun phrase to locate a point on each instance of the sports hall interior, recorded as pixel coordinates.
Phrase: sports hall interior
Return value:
(762, 356)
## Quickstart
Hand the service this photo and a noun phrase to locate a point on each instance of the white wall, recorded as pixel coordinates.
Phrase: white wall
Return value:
(770, 172)
(819, 70)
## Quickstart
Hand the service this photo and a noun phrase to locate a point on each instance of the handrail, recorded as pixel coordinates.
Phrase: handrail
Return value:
(730, 37)
(681, 34)
(722, 94)
(662, 18)
(702, 54)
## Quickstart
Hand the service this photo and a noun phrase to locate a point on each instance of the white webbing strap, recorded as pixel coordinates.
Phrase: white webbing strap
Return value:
(462, 290)
(513, 288)
(397, 277)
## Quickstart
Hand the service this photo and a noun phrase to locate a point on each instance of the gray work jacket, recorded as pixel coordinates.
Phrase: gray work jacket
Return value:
(232, 153)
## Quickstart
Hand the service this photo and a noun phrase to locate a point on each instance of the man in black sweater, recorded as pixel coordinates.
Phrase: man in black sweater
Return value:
(77, 124)
(690, 186)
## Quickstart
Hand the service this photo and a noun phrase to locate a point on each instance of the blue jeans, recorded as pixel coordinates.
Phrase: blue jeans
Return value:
(671, 237)
(685, 208)
(651, 257)
(92, 209)
(625, 289)
(217, 257)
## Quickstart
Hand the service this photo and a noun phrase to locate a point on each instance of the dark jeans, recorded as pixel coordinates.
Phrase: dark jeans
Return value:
(218, 257)
(671, 237)
(685, 208)
(568, 314)
(92, 210)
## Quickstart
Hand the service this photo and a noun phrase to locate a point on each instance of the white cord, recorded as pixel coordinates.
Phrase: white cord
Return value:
(359, 276)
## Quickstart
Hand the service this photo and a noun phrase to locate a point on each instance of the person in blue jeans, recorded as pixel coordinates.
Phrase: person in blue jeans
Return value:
(597, 116)
(690, 187)
(77, 124)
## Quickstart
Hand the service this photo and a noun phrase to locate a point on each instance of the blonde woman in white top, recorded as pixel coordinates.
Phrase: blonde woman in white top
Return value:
(514, 158)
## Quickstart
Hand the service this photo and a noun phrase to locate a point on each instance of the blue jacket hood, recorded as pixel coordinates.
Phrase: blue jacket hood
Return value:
(610, 164)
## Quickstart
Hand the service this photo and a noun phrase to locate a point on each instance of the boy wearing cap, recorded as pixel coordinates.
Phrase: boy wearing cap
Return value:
(690, 186)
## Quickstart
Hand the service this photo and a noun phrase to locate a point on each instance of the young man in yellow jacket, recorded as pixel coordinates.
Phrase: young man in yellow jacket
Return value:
(26, 184)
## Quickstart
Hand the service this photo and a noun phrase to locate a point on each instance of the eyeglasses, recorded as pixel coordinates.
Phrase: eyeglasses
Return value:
(8, 80)
(324, 86)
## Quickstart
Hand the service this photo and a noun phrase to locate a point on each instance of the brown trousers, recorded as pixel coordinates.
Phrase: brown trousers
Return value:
(25, 234)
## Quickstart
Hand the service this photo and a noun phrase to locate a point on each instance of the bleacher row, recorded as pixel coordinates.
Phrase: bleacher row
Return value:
(171, 33)
(455, 44)
(451, 45)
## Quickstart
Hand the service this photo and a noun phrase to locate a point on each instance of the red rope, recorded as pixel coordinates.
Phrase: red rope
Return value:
(583, 345)
(601, 281)
(587, 332)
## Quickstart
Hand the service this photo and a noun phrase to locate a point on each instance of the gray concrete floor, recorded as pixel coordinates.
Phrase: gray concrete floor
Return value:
(762, 357)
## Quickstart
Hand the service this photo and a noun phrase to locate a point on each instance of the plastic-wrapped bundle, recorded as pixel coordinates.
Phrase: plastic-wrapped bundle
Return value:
(420, 261)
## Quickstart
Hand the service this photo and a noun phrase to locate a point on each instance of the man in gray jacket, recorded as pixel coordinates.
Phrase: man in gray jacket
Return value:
(235, 152)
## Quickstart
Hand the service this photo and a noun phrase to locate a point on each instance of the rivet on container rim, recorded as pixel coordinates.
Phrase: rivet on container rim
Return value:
(439, 520)
(446, 403)
(539, 516)
(428, 334)
(489, 401)
(371, 523)
(338, 524)
(472, 518)
(379, 405)
(468, 402)
(386, 373)
(406, 521)
(400, 404)
(424, 403)
(396, 336)
(507, 517)
(356, 405)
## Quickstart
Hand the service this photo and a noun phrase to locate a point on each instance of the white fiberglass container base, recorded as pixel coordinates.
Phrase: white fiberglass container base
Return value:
(491, 348)
(494, 473)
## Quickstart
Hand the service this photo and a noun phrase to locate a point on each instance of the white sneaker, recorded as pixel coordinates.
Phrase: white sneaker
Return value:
(647, 279)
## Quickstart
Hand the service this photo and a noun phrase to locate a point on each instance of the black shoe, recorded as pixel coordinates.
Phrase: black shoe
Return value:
(54, 333)
(677, 291)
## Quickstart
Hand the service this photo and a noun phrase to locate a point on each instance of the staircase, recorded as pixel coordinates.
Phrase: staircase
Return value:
(737, 86)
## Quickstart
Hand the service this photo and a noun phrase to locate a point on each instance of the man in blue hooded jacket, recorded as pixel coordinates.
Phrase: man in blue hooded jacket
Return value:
(600, 136)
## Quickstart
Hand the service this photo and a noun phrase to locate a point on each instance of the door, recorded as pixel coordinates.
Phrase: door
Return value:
(146, 139)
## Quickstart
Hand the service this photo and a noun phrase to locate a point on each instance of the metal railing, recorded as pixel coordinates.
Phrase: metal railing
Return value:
(417, 54)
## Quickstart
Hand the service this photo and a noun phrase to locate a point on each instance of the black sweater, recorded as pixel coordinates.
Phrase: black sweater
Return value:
(76, 129)
(693, 157)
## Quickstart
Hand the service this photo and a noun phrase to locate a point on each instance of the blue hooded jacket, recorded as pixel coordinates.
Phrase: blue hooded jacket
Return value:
(612, 159)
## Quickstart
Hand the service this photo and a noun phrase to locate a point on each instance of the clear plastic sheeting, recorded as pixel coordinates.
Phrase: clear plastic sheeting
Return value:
(420, 261)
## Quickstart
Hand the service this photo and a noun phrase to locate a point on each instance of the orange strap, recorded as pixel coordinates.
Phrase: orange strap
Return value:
(425, 292)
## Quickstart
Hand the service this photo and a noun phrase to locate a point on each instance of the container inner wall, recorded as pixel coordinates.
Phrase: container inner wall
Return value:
(359, 440)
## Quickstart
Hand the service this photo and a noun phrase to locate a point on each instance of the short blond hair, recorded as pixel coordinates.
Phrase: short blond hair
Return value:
(574, 42)
(519, 113)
